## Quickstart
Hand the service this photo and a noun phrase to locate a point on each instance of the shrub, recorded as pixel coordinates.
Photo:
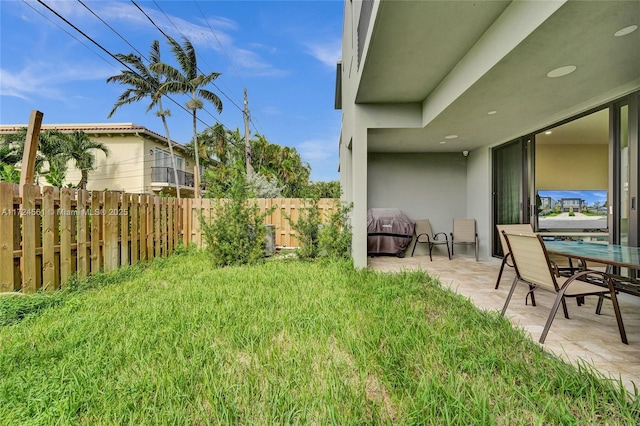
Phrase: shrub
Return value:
(322, 239)
(307, 226)
(237, 234)
(335, 235)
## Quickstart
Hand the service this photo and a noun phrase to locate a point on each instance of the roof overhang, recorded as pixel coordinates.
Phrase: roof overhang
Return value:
(461, 61)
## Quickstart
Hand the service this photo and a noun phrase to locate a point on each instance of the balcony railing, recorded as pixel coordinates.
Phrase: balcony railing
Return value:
(165, 175)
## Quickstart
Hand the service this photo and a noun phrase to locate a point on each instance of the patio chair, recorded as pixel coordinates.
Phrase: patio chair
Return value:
(514, 229)
(533, 267)
(464, 232)
(425, 235)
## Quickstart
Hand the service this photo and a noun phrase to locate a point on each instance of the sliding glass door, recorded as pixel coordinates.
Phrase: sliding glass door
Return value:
(509, 187)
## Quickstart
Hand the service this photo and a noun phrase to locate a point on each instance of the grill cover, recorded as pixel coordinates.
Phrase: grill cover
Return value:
(389, 231)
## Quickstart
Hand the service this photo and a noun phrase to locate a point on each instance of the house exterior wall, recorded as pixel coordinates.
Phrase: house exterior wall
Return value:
(122, 170)
(479, 198)
(453, 101)
(424, 186)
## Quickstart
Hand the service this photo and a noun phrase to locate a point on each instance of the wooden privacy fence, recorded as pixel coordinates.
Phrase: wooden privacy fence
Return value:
(285, 236)
(49, 234)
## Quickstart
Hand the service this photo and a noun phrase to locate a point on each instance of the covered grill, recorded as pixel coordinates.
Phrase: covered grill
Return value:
(389, 231)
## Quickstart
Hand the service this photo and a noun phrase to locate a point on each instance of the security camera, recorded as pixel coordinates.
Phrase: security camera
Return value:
(465, 153)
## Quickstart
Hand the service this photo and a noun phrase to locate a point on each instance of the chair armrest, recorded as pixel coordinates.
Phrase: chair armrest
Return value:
(435, 236)
(584, 276)
(425, 235)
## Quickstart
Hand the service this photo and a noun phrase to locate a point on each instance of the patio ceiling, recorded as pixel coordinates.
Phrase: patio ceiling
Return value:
(411, 66)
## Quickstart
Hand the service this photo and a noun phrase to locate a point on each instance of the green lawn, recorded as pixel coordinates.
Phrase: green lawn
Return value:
(286, 342)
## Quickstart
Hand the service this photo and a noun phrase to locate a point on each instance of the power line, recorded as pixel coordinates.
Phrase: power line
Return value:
(109, 53)
(199, 69)
(165, 34)
(225, 54)
(202, 58)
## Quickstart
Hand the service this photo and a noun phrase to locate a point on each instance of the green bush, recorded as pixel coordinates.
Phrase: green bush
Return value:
(322, 239)
(307, 226)
(335, 235)
(237, 234)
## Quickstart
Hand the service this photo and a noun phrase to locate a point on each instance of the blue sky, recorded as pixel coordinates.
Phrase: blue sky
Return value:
(283, 52)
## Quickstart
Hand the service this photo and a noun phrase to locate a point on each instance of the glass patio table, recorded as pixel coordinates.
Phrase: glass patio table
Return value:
(609, 254)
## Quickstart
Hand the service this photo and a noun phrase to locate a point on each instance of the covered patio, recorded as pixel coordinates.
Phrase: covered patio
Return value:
(587, 337)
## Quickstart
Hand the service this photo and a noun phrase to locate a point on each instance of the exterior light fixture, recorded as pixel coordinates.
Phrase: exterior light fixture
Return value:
(562, 71)
(465, 153)
(451, 136)
(626, 30)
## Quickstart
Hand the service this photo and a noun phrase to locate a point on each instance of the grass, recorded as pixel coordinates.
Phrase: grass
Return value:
(286, 342)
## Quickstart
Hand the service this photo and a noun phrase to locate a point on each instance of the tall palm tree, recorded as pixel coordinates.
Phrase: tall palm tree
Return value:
(79, 147)
(144, 83)
(188, 81)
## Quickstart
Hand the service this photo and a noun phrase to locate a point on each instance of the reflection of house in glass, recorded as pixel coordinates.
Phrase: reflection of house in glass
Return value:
(572, 204)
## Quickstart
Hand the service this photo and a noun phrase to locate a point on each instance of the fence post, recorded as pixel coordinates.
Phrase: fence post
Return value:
(29, 236)
(124, 215)
(134, 229)
(111, 225)
(65, 235)
(49, 231)
(7, 217)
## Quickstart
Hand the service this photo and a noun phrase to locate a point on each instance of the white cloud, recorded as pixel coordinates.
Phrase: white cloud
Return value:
(328, 53)
(31, 81)
(317, 150)
(211, 33)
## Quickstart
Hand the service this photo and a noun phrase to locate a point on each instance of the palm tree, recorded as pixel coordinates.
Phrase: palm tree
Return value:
(190, 82)
(79, 147)
(144, 82)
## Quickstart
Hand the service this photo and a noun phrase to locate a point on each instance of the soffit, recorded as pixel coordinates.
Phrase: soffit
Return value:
(415, 44)
(579, 33)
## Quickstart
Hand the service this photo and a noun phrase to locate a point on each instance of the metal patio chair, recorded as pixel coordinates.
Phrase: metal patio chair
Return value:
(464, 232)
(533, 267)
(424, 235)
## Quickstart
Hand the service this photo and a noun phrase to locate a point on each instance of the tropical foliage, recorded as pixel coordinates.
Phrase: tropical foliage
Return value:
(145, 83)
(278, 170)
(55, 150)
(188, 80)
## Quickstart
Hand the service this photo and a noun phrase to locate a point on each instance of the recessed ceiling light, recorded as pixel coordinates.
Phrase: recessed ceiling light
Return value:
(548, 132)
(443, 142)
(559, 72)
(451, 136)
(492, 112)
(625, 31)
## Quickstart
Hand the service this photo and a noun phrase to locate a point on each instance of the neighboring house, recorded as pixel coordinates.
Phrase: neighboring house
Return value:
(139, 159)
(572, 204)
(547, 203)
(454, 109)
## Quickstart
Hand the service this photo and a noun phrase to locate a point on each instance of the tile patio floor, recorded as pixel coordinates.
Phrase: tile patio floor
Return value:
(592, 338)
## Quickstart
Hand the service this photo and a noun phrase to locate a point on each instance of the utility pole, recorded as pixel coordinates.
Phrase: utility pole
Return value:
(247, 145)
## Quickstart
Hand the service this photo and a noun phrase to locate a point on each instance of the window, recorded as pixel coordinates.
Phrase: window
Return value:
(163, 159)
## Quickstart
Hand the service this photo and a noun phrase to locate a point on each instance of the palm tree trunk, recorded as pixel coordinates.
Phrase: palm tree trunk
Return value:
(197, 153)
(85, 178)
(173, 157)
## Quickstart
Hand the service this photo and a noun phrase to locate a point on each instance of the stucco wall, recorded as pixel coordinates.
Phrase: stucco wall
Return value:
(121, 170)
(431, 186)
(479, 197)
(128, 166)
